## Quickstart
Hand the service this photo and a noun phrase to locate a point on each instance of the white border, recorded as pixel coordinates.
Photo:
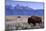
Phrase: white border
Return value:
(2, 14)
(2, 17)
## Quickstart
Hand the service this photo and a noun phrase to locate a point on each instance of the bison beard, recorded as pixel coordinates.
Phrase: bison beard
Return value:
(34, 20)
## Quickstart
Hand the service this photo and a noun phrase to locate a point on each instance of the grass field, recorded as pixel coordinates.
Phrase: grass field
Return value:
(15, 23)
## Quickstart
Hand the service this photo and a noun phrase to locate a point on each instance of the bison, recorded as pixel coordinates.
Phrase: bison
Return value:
(34, 20)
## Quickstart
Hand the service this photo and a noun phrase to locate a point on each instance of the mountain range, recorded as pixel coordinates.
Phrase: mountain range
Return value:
(21, 10)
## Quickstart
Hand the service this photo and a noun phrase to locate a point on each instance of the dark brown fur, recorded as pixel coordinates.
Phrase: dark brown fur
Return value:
(34, 20)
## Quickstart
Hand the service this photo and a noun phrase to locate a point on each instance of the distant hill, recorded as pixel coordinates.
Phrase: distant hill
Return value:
(21, 10)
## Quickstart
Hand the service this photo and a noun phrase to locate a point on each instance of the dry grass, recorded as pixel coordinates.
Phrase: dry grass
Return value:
(21, 23)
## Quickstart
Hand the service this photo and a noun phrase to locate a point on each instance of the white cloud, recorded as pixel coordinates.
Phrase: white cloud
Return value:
(30, 0)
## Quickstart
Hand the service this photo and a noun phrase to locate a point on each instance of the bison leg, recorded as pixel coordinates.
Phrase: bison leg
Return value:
(34, 24)
(40, 22)
(28, 22)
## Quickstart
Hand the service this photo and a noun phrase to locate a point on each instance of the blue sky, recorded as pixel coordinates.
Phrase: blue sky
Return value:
(34, 5)
(30, 4)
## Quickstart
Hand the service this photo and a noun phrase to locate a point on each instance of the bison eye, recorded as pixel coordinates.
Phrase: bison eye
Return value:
(19, 16)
